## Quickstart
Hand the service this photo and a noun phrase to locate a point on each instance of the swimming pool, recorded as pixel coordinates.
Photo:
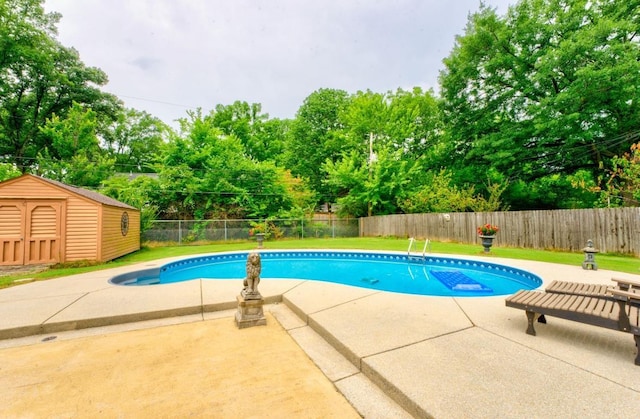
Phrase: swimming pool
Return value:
(384, 271)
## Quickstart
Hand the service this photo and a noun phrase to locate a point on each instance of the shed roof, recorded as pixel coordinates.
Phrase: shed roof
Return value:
(86, 193)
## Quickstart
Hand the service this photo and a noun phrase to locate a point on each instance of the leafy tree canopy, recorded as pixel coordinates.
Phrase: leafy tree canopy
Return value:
(73, 154)
(8, 171)
(317, 134)
(621, 186)
(206, 173)
(537, 109)
(549, 89)
(40, 78)
(135, 140)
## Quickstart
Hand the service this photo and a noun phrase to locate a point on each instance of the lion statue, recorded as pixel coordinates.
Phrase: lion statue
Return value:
(253, 275)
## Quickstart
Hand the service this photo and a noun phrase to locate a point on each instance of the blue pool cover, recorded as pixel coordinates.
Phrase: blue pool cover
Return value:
(457, 281)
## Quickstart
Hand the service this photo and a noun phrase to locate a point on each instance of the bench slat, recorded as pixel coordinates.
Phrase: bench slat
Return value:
(578, 288)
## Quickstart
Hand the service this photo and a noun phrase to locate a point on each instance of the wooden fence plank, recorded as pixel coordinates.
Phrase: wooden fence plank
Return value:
(611, 229)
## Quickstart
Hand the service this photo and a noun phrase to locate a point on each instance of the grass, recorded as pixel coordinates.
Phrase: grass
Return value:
(611, 262)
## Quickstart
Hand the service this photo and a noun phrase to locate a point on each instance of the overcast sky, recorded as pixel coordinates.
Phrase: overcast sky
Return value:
(169, 56)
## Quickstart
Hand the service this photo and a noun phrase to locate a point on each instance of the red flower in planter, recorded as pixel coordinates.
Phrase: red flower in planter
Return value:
(488, 230)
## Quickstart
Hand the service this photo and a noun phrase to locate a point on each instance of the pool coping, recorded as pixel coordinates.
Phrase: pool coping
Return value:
(438, 264)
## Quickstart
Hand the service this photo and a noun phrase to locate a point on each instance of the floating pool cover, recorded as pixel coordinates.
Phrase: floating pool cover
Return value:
(457, 281)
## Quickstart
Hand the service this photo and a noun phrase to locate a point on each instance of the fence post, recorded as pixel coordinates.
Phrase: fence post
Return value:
(179, 232)
(225, 230)
(302, 227)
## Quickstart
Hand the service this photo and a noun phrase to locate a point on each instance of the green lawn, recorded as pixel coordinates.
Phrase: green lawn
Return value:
(605, 261)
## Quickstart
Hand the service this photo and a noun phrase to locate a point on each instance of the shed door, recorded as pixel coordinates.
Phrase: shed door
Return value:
(12, 214)
(30, 232)
(43, 233)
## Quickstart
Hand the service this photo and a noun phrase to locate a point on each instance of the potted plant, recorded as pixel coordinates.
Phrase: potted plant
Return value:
(487, 233)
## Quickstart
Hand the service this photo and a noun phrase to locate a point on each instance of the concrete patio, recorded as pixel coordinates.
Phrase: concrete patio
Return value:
(391, 355)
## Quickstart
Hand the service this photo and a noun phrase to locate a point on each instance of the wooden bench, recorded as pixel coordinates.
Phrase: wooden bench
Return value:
(592, 290)
(618, 309)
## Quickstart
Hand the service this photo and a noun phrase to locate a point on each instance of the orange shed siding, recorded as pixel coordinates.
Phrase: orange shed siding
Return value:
(30, 187)
(88, 226)
(114, 243)
(82, 230)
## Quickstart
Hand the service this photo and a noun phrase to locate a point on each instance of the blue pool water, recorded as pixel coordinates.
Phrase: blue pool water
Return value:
(394, 272)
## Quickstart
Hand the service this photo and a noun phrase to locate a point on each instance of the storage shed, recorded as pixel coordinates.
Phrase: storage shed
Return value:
(45, 221)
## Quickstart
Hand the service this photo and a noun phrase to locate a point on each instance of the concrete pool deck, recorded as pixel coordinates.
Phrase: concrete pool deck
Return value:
(431, 356)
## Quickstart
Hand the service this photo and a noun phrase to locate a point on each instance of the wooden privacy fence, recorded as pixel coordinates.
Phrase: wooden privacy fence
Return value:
(613, 230)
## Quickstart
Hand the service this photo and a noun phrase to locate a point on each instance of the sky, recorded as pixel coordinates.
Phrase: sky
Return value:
(168, 56)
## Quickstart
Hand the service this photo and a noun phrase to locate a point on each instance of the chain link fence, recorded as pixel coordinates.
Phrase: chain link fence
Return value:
(190, 231)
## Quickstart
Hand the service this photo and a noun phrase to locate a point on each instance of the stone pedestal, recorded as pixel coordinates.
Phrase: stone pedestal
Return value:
(250, 313)
(590, 256)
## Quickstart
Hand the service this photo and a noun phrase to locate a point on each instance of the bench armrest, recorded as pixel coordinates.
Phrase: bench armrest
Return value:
(625, 295)
(626, 283)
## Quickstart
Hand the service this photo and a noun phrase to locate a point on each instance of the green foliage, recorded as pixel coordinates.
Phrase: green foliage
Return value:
(141, 192)
(548, 89)
(414, 124)
(389, 180)
(370, 187)
(534, 106)
(622, 185)
(554, 191)
(366, 115)
(347, 179)
(8, 171)
(390, 140)
(205, 173)
(493, 202)
(267, 228)
(317, 134)
(440, 194)
(303, 199)
(261, 138)
(135, 140)
(39, 78)
(73, 154)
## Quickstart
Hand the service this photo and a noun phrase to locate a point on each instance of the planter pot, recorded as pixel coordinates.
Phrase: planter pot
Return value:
(487, 242)
(260, 239)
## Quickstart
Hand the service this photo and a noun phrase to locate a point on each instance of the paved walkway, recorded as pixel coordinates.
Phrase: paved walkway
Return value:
(432, 356)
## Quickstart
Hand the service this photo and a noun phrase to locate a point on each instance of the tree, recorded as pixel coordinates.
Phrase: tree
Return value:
(205, 173)
(347, 179)
(439, 193)
(141, 192)
(8, 171)
(39, 78)
(370, 187)
(73, 154)
(270, 143)
(135, 140)
(621, 186)
(391, 140)
(263, 138)
(547, 90)
(414, 124)
(317, 134)
(365, 118)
